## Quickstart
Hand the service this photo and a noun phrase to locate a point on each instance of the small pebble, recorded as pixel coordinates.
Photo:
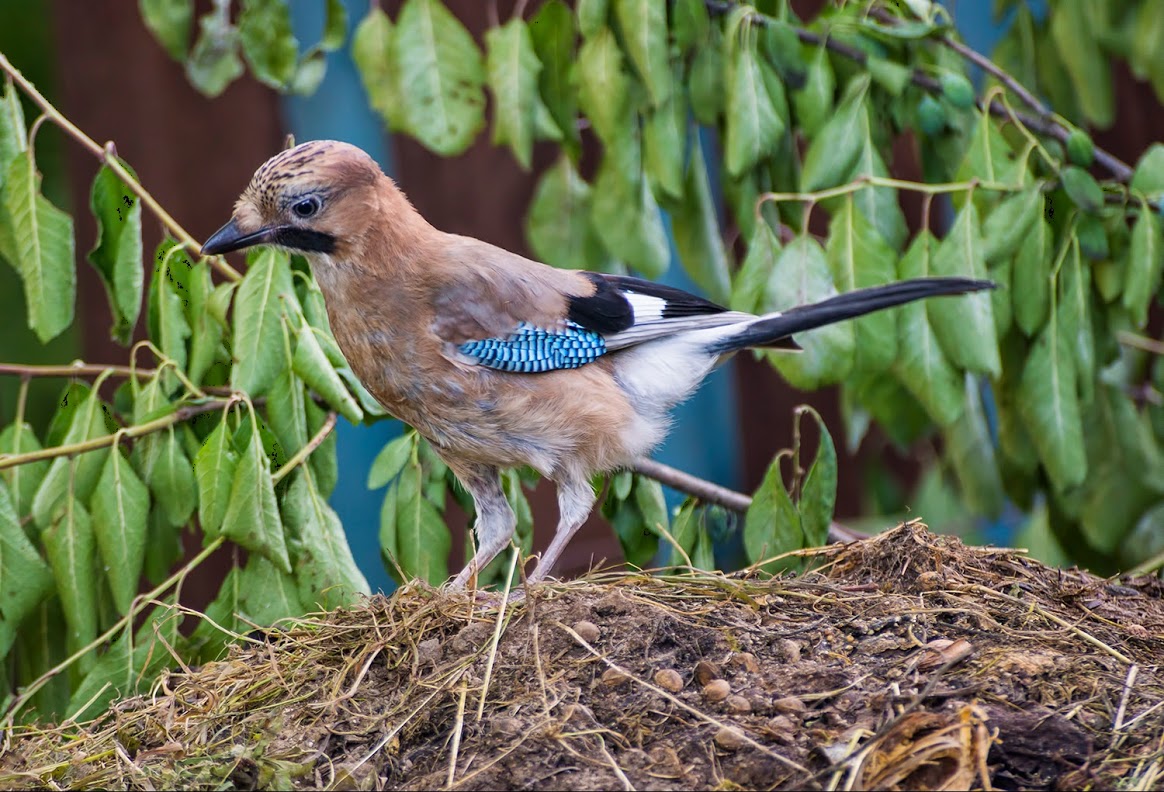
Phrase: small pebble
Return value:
(789, 650)
(746, 661)
(789, 704)
(506, 726)
(669, 680)
(612, 677)
(429, 652)
(705, 671)
(738, 704)
(781, 725)
(729, 739)
(716, 690)
(587, 631)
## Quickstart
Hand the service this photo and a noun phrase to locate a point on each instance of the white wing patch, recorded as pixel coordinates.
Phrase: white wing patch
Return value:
(646, 308)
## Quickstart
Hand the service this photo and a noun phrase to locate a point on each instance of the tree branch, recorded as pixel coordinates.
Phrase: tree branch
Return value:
(108, 155)
(712, 493)
(315, 442)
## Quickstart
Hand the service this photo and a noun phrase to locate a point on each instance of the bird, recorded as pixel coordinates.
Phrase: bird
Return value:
(497, 360)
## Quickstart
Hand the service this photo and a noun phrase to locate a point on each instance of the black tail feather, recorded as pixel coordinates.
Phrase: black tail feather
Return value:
(771, 331)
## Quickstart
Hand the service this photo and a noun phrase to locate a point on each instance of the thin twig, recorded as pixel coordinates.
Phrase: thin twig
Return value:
(107, 155)
(303, 453)
(497, 627)
(457, 730)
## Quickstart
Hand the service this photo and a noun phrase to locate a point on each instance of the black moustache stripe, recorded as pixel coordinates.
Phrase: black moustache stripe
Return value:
(304, 239)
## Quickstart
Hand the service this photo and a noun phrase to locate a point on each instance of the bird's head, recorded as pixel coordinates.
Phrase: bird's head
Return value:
(312, 199)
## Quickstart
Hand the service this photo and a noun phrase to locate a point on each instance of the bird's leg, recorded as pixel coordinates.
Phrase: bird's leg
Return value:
(495, 518)
(575, 500)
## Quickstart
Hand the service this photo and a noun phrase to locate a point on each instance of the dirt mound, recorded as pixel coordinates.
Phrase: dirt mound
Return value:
(906, 661)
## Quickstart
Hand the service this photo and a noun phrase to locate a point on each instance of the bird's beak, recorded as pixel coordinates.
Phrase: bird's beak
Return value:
(229, 238)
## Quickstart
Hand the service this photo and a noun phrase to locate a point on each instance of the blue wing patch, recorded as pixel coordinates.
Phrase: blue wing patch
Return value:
(533, 350)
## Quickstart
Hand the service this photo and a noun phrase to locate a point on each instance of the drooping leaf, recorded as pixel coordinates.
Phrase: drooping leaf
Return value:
(755, 118)
(287, 415)
(390, 461)
(604, 87)
(258, 329)
(922, 367)
(705, 80)
(268, 592)
(268, 42)
(1082, 188)
(324, 461)
(1075, 318)
(214, 468)
(665, 148)
(117, 255)
(252, 515)
(1144, 265)
(625, 215)
(74, 478)
(170, 476)
(833, 152)
(208, 640)
(422, 538)
(372, 51)
(644, 31)
(326, 573)
(389, 546)
(818, 495)
(751, 281)
(214, 62)
(25, 579)
(691, 23)
(988, 158)
(971, 453)
(1049, 405)
(552, 31)
(684, 530)
(592, 16)
(964, 324)
(22, 480)
(879, 205)
(1009, 224)
(312, 366)
(651, 504)
(440, 73)
(1148, 177)
(814, 102)
(166, 309)
(802, 276)
(858, 258)
(1088, 67)
(1030, 278)
(695, 228)
(558, 224)
(42, 249)
(206, 331)
(772, 524)
(72, 554)
(170, 21)
(513, 67)
(120, 512)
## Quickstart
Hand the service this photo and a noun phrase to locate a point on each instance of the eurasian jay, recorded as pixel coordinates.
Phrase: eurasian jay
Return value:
(497, 360)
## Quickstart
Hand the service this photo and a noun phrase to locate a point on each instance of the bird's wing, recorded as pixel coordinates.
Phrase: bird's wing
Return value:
(536, 320)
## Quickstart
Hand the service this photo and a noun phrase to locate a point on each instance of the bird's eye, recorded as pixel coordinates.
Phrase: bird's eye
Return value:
(307, 207)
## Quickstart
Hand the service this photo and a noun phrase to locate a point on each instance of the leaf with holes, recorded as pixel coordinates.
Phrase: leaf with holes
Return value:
(117, 255)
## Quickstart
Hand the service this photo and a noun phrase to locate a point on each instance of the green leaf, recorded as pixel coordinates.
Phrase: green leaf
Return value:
(214, 467)
(42, 249)
(1144, 265)
(252, 516)
(922, 368)
(440, 73)
(1089, 68)
(206, 332)
(287, 415)
(879, 205)
(22, 480)
(268, 42)
(1031, 277)
(13, 141)
(391, 460)
(323, 462)
(558, 225)
(971, 453)
(1075, 314)
(208, 641)
(755, 118)
(72, 554)
(894, 77)
(751, 281)
(651, 504)
(170, 476)
(691, 24)
(372, 51)
(625, 215)
(833, 152)
(389, 547)
(513, 68)
(335, 26)
(77, 477)
(117, 255)
(25, 579)
(858, 258)
(258, 329)
(644, 31)
(268, 592)
(422, 538)
(772, 524)
(552, 31)
(170, 22)
(604, 88)
(814, 103)
(326, 573)
(309, 73)
(695, 228)
(965, 324)
(705, 81)
(988, 158)
(312, 366)
(1009, 224)
(120, 512)
(1049, 405)
(165, 313)
(802, 276)
(214, 63)
(665, 148)
(592, 16)
(1082, 189)
(685, 531)
(818, 495)
(1148, 177)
